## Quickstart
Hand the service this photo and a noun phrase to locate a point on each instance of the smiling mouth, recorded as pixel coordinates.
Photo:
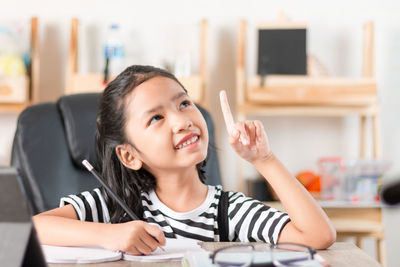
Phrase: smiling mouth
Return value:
(188, 142)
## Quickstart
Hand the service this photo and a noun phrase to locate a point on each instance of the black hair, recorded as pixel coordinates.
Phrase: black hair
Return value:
(111, 120)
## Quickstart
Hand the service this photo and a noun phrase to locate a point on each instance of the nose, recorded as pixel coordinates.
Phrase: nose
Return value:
(181, 123)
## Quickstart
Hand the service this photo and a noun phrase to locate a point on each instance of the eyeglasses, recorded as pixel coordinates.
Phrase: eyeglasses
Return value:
(282, 254)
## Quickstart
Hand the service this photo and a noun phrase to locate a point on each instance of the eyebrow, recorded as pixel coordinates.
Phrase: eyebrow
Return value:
(153, 110)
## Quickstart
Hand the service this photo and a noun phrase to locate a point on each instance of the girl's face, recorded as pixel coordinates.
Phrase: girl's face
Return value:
(166, 128)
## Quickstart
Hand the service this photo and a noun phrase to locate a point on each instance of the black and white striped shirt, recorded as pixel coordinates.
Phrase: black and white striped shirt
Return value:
(249, 219)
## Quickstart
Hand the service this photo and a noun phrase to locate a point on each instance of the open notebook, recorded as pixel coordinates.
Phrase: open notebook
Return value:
(174, 250)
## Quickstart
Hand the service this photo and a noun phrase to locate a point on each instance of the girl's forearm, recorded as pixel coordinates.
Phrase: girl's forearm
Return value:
(55, 230)
(134, 237)
(306, 215)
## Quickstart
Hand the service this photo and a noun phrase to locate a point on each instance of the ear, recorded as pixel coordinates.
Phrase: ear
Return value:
(128, 157)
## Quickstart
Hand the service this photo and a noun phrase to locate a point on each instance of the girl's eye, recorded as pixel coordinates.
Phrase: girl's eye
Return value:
(155, 119)
(184, 104)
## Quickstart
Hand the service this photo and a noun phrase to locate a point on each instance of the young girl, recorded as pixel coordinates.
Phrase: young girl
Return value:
(152, 142)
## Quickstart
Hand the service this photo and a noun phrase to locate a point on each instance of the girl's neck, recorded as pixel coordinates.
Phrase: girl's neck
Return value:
(181, 191)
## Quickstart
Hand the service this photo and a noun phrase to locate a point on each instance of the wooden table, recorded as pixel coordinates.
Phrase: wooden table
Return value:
(358, 220)
(340, 254)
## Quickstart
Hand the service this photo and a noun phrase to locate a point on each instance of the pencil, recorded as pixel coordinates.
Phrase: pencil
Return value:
(115, 196)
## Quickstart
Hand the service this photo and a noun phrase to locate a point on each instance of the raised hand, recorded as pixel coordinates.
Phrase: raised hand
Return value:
(247, 138)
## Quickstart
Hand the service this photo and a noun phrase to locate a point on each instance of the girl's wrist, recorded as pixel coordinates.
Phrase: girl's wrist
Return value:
(102, 234)
(262, 162)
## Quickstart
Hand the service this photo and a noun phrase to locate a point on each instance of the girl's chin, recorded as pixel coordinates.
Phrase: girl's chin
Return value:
(200, 161)
(195, 160)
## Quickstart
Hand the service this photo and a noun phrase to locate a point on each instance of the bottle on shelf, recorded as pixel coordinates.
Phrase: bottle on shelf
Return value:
(182, 66)
(114, 53)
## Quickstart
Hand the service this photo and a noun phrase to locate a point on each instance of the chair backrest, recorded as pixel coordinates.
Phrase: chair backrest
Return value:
(51, 140)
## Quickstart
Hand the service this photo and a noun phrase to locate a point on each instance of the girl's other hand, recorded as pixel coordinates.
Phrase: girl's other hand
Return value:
(134, 237)
(247, 138)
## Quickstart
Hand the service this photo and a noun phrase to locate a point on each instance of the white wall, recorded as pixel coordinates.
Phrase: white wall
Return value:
(159, 30)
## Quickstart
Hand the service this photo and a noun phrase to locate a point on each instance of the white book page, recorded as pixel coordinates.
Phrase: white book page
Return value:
(174, 250)
(59, 254)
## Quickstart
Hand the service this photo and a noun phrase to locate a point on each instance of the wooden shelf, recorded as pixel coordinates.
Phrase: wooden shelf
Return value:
(88, 83)
(13, 107)
(76, 82)
(311, 96)
(306, 110)
(305, 90)
(32, 79)
(305, 95)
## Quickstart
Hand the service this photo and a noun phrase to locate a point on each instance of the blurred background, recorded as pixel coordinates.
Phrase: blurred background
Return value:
(168, 34)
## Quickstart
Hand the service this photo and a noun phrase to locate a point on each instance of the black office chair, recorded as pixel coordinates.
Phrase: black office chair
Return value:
(51, 140)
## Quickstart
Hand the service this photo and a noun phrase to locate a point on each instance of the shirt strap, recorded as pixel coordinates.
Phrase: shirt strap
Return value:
(222, 217)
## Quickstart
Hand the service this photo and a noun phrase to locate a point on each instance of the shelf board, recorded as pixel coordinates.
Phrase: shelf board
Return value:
(86, 83)
(306, 110)
(305, 90)
(13, 107)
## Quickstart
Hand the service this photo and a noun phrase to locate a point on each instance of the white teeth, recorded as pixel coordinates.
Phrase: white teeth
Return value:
(188, 142)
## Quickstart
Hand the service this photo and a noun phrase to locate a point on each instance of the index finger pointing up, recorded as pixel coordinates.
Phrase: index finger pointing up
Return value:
(226, 111)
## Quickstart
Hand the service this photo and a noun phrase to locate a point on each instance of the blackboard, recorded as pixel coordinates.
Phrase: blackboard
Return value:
(282, 51)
